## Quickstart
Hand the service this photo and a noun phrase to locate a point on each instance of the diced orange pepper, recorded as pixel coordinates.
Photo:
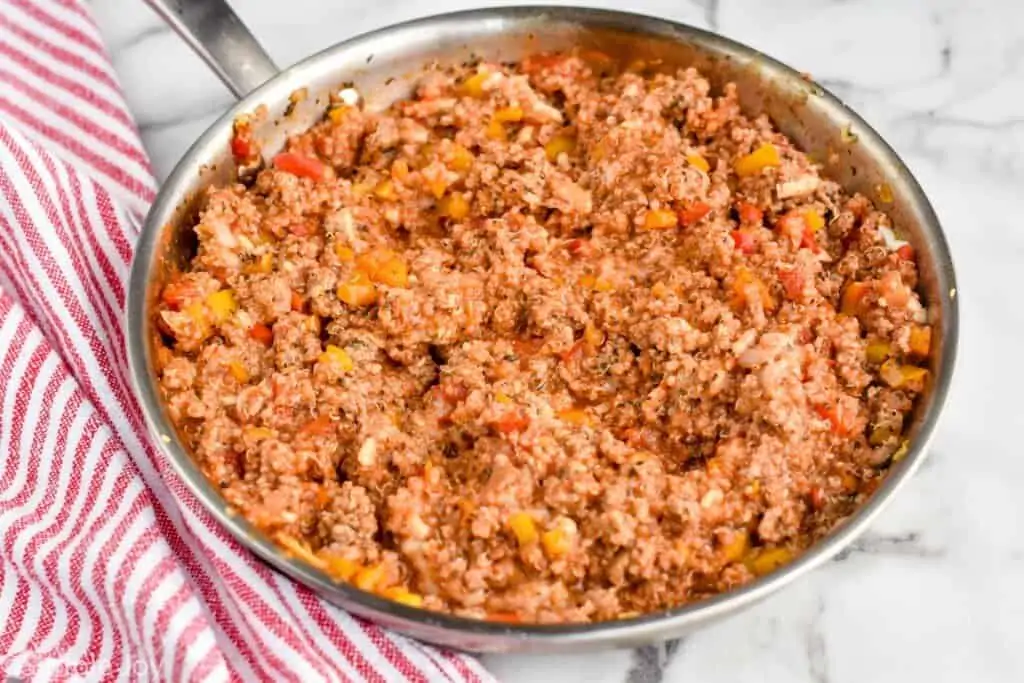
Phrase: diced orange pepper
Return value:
(852, 302)
(920, 340)
(660, 219)
(358, 292)
(906, 252)
(298, 303)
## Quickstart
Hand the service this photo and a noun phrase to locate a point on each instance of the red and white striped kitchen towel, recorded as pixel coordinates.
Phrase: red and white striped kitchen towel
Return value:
(109, 568)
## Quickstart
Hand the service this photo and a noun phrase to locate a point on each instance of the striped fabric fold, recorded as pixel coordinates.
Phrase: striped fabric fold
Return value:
(109, 568)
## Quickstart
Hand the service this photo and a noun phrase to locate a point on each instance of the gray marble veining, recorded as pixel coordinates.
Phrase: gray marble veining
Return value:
(933, 593)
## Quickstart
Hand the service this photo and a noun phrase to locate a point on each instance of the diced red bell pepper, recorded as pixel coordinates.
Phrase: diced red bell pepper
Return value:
(807, 240)
(841, 421)
(318, 426)
(580, 248)
(300, 165)
(749, 214)
(512, 421)
(744, 241)
(906, 252)
(792, 283)
(177, 293)
(298, 303)
(262, 334)
(693, 212)
(241, 148)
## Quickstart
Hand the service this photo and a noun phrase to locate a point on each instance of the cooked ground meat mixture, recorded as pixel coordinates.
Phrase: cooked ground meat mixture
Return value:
(546, 342)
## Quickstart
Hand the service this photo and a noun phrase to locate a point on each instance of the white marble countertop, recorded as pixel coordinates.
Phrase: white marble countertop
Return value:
(934, 592)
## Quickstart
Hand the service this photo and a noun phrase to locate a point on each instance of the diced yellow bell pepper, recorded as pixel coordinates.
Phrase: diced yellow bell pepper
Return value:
(385, 190)
(877, 352)
(300, 550)
(502, 398)
(768, 560)
(496, 131)
(238, 371)
(338, 356)
(474, 85)
(661, 219)
(660, 290)
(262, 265)
(404, 596)
(558, 145)
(454, 206)
(901, 452)
(574, 416)
(369, 578)
(258, 433)
(699, 162)
(902, 376)
(523, 527)
(400, 170)
(735, 549)
(813, 220)
(221, 305)
(462, 158)
(879, 435)
(592, 336)
(765, 156)
(556, 543)
(344, 252)
(337, 114)
(508, 115)
(339, 568)
(437, 186)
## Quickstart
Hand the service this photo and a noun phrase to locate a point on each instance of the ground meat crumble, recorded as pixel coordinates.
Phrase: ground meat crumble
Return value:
(546, 342)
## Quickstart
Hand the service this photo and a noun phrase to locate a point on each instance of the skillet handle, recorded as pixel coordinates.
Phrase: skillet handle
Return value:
(214, 31)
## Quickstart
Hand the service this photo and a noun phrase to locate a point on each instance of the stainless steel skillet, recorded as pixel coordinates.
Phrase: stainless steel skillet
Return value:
(382, 65)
